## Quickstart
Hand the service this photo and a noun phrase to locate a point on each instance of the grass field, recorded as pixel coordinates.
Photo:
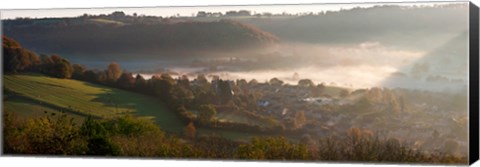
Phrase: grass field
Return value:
(33, 94)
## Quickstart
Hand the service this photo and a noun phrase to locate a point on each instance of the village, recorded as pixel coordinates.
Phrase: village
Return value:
(330, 110)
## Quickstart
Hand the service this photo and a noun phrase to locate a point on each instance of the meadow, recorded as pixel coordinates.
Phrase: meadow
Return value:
(34, 94)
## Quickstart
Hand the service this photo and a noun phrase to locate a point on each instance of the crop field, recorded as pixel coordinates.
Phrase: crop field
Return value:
(34, 94)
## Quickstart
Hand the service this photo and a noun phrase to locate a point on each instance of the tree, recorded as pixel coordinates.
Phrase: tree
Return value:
(272, 148)
(16, 58)
(190, 131)
(46, 63)
(253, 82)
(201, 14)
(78, 71)
(126, 81)
(206, 112)
(163, 86)
(276, 82)
(224, 91)
(305, 83)
(113, 72)
(241, 83)
(300, 119)
(318, 90)
(182, 96)
(140, 84)
(183, 82)
(61, 68)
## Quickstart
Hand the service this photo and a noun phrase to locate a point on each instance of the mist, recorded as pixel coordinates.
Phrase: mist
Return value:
(363, 65)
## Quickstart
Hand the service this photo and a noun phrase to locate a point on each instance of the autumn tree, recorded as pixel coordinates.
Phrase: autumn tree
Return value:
(206, 112)
(61, 68)
(78, 71)
(299, 119)
(190, 131)
(16, 58)
(113, 72)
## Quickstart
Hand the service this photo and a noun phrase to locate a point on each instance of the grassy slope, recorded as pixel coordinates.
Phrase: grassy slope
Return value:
(34, 93)
(31, 95)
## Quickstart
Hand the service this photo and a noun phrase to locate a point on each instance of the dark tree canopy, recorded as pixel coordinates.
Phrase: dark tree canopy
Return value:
(206, 113)
(276, 82)
(305, 83)
(78, 71)
(113, 72)
(16, 58)
(126, 81)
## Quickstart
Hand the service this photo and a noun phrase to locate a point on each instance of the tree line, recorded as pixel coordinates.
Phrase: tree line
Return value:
(128, 136)
(180, 94)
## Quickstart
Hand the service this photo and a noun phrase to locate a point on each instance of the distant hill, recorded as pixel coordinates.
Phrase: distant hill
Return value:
(418, 27)
(125, 34)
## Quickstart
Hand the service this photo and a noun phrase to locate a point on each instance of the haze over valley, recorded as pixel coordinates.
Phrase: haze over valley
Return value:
(368, 83)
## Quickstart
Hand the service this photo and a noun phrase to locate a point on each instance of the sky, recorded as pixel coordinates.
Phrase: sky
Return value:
(186, 9)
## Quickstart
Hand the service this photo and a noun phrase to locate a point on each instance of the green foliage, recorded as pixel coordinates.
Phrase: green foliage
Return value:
(305, 83)
(162, 86)
(49, 135)
(130, 136)
(206, 113)
(82, 99)
(224, 91)
(155, 35)
(272, 148)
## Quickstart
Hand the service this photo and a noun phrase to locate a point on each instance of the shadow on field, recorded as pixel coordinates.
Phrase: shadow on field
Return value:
(120, 101)
(123, 102)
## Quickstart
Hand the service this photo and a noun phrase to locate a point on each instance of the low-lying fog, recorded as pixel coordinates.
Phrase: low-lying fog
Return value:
(362, 65)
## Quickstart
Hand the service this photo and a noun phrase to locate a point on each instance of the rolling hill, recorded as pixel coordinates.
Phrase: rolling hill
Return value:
(104, 36)
(32, 95)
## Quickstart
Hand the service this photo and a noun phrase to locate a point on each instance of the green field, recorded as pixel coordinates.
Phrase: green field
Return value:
(32, 95)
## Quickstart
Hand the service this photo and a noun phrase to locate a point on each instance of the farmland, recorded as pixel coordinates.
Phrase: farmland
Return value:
(32, 94)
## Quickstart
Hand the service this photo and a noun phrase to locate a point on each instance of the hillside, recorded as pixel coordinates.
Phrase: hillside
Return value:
(392, 25)
(92, 36)
(32, 94)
